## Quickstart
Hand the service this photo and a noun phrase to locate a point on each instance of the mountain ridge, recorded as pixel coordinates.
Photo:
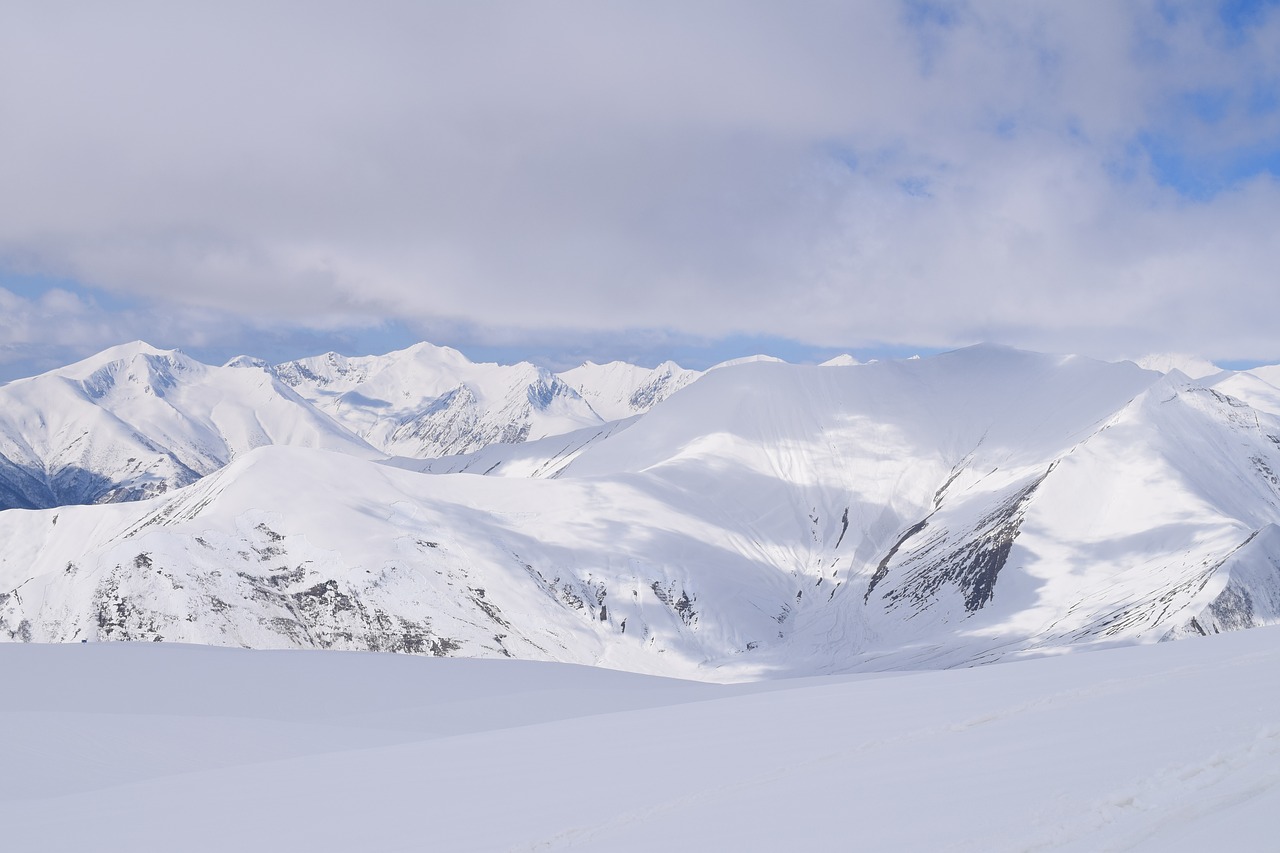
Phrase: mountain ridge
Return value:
(768, 519)
(428, 401)
(135, 421)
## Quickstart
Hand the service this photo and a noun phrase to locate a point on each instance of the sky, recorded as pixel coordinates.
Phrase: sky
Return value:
(558, 181)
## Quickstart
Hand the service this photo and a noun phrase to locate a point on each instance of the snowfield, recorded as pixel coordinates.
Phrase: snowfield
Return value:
(159, 747)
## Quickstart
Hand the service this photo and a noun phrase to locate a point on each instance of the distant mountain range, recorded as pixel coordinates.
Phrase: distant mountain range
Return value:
(758, 519)
(135, 421)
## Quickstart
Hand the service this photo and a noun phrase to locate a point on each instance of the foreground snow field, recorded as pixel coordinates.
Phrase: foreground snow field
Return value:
(132, 747)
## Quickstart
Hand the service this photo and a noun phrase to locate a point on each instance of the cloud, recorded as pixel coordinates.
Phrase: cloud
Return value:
(58, 325)
(839, 174)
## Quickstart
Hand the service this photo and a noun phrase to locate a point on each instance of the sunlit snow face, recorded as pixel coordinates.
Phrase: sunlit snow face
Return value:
(767, 518)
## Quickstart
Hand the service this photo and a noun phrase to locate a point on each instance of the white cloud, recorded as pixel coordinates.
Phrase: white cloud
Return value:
(835, 173)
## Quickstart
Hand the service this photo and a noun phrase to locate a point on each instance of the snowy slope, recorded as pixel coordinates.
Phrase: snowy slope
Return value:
(428, 401)
(618, 390)
(298, 548)
(1134, 533)
(144, 747)
(543, 457)
(135, 421)
(769, 519)
(1249, 388)
(1267, 372)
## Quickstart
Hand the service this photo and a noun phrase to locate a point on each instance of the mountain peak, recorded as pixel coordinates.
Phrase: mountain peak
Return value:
(747, 359)
(620, 390)
(433, 352)
(843, 360)
(1191, 365)
(248, 361)
(120, 353)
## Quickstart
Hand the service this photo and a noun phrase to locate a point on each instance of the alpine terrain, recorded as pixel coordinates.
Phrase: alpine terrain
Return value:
(135, 421)
(766, 519)
(432, 401)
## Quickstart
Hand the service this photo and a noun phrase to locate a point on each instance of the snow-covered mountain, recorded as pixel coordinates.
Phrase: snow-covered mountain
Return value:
(428, 401)
(768, 519)
(619, 390)
(1189, 365)
(1267, 373)
(135, 421)
(844, 360)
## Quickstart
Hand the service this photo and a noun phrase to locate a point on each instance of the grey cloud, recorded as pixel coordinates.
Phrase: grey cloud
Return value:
(834, 173)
